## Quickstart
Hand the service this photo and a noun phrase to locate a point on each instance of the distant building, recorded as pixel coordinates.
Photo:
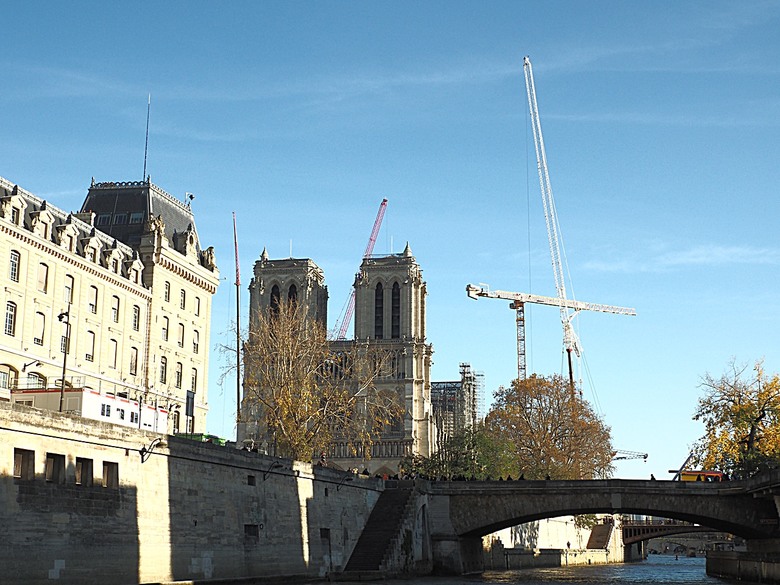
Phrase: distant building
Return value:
(389, 314)
(112, 301)
(456, 403)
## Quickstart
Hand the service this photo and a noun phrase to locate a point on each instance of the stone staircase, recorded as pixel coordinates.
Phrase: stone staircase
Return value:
(382, 527)
(600, 535)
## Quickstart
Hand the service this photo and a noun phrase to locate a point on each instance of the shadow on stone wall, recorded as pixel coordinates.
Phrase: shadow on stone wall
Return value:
(232, 513)
(74, 534)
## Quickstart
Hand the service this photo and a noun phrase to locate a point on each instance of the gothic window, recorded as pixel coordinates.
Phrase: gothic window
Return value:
(275, 300)
(13, 267)
(379, 309)
(292, 294)
(395, 312)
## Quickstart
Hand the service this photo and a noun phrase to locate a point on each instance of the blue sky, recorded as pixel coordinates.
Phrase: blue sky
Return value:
(661, 122)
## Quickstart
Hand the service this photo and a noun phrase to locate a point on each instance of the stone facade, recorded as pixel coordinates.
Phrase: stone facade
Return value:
(389, 315)
(123, 285)
(87, 502)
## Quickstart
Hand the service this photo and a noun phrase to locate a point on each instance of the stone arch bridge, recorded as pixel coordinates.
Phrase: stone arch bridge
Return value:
(461, 512)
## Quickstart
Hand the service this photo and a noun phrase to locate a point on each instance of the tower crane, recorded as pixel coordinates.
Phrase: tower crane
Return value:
(568, 308)
(620, 455)
(342, 329)
(518, 303)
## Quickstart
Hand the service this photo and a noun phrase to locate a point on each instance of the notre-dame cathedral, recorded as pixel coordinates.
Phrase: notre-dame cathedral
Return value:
(390, 312)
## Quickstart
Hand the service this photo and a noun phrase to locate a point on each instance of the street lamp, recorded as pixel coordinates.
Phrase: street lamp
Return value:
(64, 317)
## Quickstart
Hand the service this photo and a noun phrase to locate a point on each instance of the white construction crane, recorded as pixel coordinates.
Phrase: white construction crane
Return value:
(568, 308)
(620, 455)
(518, 303)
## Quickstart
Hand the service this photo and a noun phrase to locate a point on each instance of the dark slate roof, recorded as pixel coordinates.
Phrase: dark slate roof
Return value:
(123, 210)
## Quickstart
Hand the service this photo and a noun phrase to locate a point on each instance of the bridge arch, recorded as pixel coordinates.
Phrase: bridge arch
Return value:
(462, 511)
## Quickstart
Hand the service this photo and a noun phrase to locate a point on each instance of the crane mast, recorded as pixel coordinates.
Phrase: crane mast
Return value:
(342, 329)
(568, 308)
(550, 215)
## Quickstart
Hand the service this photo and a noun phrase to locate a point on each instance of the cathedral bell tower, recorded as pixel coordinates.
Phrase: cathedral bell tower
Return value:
(390, 313)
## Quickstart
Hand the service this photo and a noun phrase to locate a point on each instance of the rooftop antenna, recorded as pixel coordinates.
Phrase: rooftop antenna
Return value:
(146, 144)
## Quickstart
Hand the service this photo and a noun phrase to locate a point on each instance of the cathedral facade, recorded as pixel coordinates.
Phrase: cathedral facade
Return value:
(390, 296)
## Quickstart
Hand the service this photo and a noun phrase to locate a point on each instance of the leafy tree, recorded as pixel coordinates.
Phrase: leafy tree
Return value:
(303, 395)
(741, 416)
(551, 430)
(470, 453)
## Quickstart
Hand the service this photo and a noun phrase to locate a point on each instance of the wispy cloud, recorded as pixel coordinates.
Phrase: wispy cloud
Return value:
(703, 255)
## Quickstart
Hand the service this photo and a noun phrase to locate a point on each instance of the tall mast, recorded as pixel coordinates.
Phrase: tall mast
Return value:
(238, 325)
(146, 143)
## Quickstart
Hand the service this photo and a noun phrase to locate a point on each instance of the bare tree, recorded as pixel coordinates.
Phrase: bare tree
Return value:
(303, 395)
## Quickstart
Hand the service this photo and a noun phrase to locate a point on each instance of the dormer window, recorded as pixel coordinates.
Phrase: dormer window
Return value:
(15, 215)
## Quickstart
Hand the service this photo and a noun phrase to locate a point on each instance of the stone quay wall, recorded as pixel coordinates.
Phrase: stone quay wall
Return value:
(88, 502)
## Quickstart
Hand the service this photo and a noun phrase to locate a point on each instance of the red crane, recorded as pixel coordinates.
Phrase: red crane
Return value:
(342, 329)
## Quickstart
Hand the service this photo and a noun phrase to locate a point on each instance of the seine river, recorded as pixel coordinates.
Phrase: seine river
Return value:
(656, 569)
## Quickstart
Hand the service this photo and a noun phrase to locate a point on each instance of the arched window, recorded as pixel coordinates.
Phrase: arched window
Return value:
(39, 328)
(133, 361)
(195, 341)
(163, 370)
(136, 318)
(115, 309)
(113, 348)
(10, 318)
(35, 380)
(179, 373)
(90, 355)
(43, 277)
(275, 300)
(395, 312)
(68, 292)
(292, 294)
(93, 299)
(167, 291)
(194, 380)
(8, 376)
(379, 310)
(13, 266)
(166, 324)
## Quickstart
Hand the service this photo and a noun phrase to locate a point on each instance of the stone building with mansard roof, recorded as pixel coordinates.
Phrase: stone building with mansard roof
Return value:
(115, 299)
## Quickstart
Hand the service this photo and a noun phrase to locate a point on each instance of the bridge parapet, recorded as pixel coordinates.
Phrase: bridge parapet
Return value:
(463, 511)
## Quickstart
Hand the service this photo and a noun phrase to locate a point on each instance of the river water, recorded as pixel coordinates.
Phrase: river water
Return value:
(656, 569)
